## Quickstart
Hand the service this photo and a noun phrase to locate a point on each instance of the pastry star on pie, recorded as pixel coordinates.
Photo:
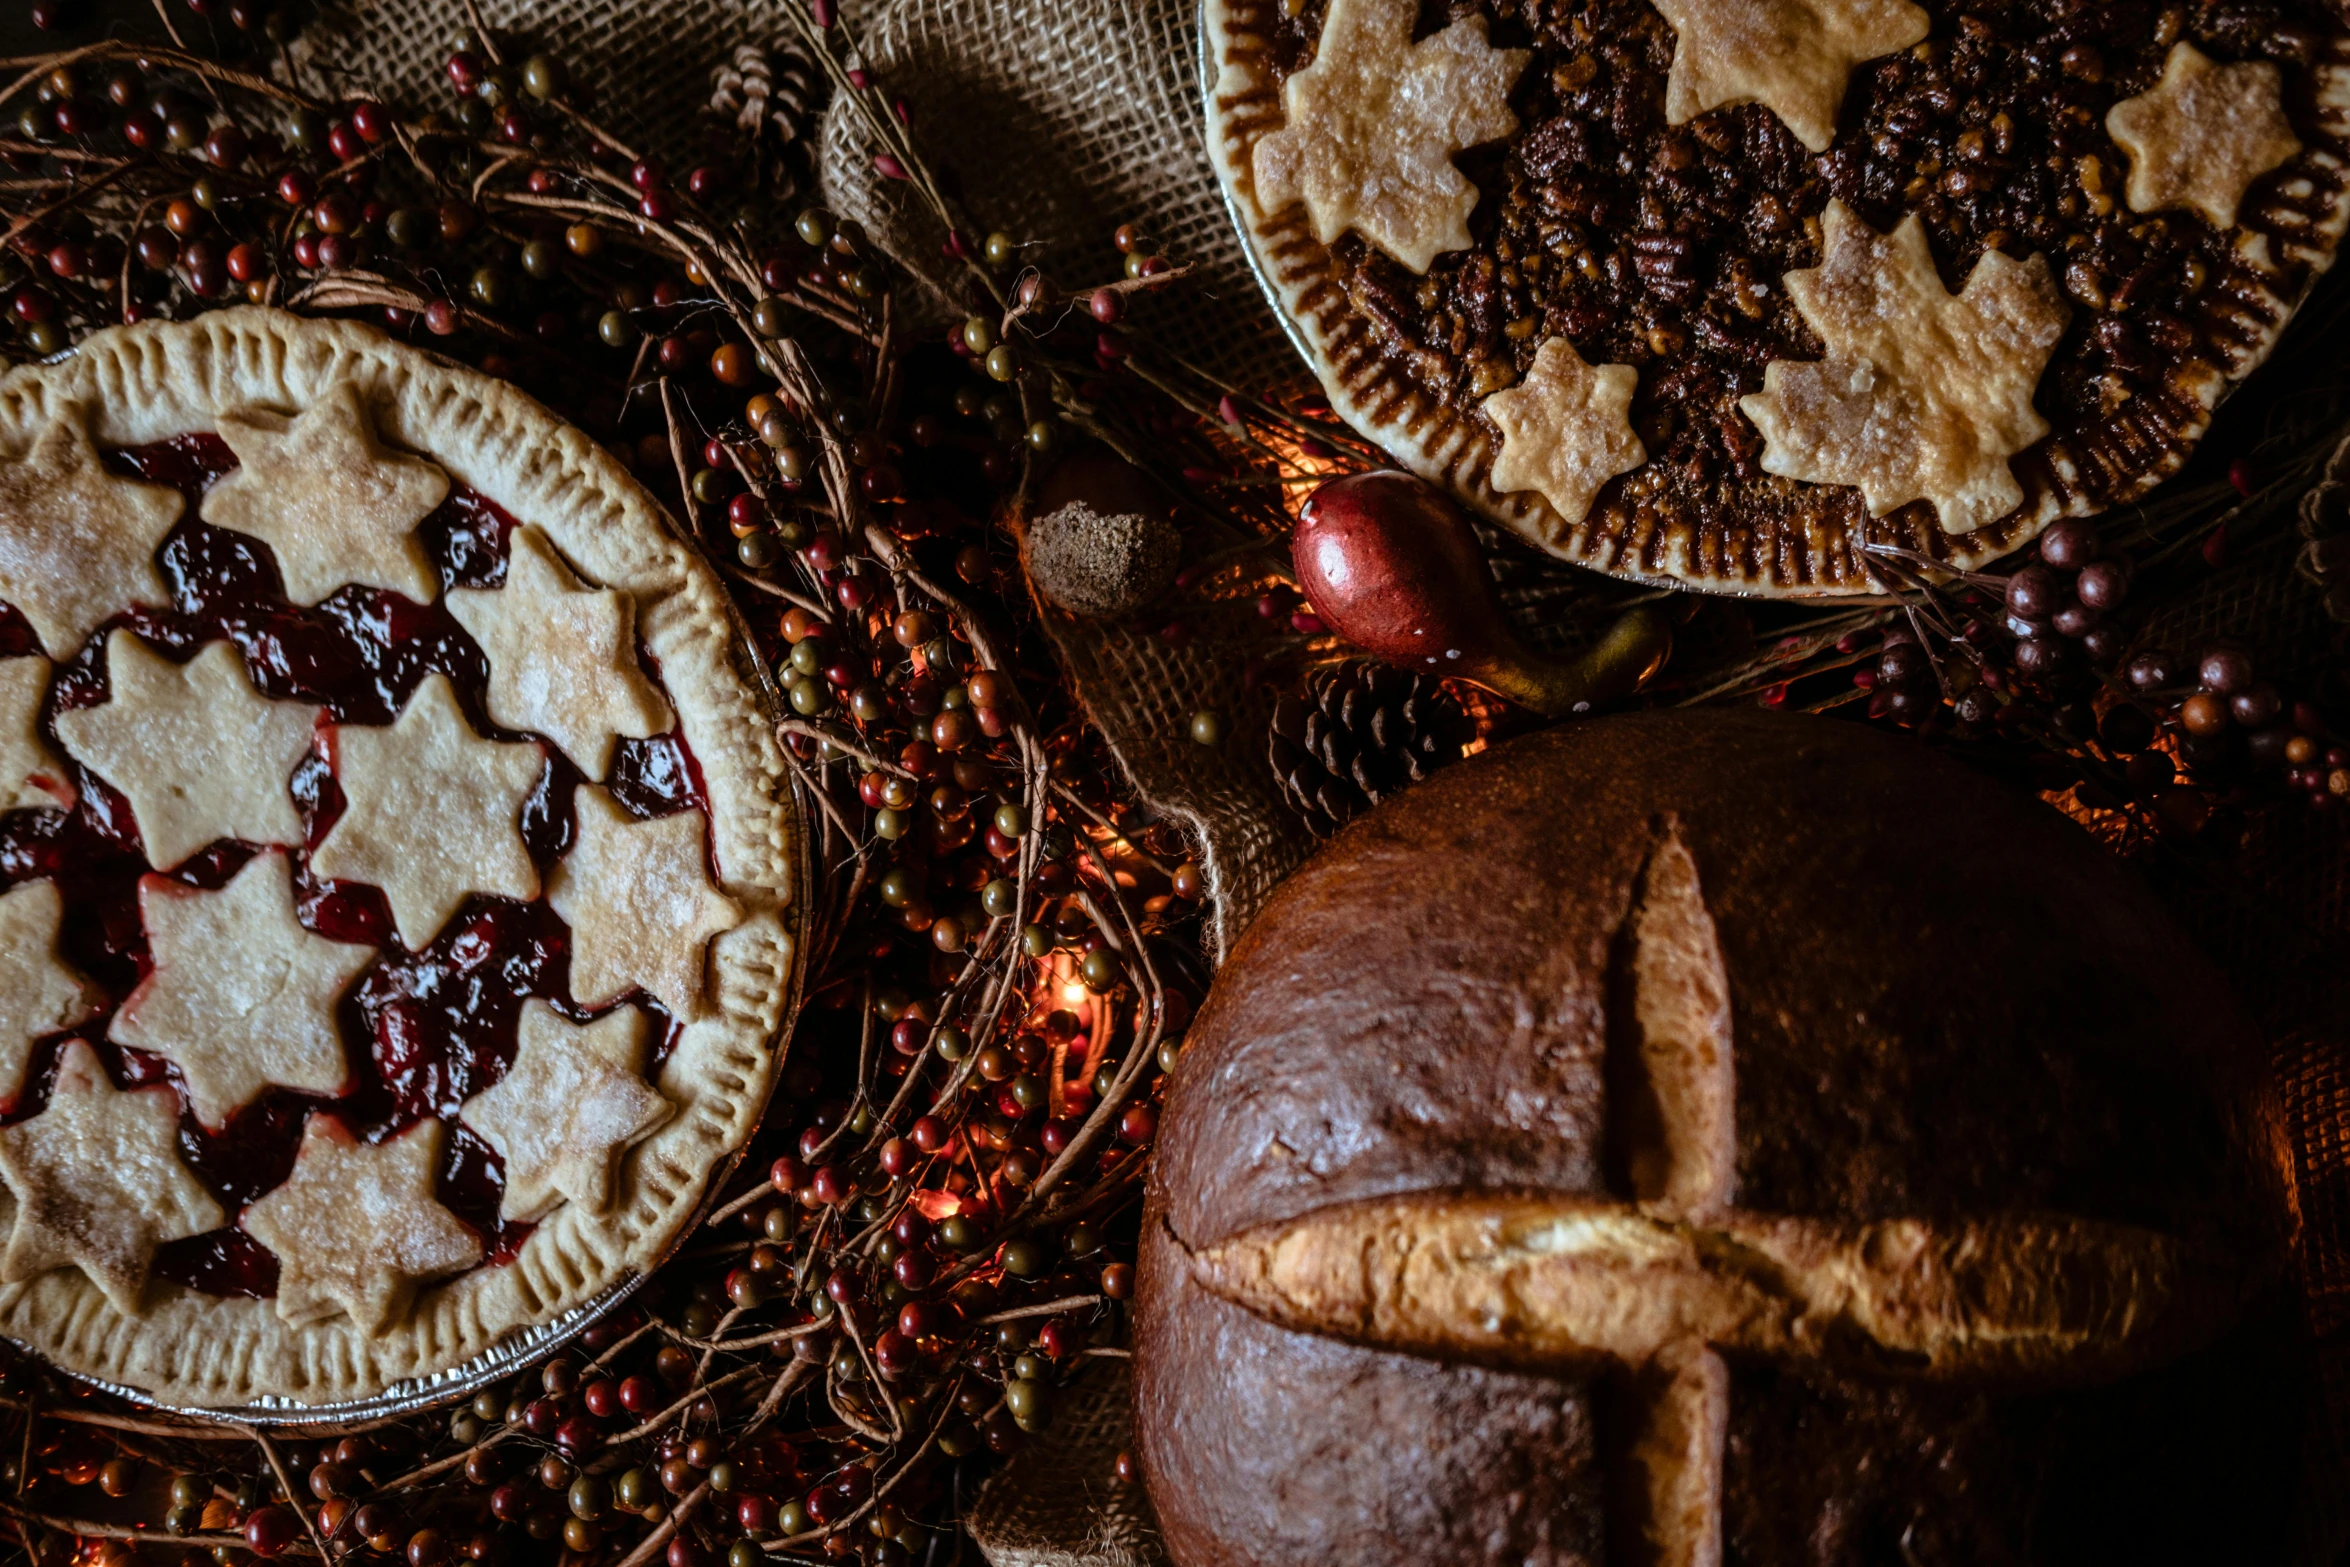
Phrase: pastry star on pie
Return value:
(98, 1182)
(574, 1100)
(241, 997)
(2203, 134)
(1566, 429)
(200, 754)
(1791, 56)
(77, 544)
(32, 777)
(433, 812)
(356, 1227)
(638, 898)
(40, 993)
(1373, 125)
(562, 656)
(333, 503)
(1923, 394)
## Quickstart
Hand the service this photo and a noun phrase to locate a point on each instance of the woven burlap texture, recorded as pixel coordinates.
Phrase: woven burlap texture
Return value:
(649, 68)
(1057, 123)
(1059, 1502)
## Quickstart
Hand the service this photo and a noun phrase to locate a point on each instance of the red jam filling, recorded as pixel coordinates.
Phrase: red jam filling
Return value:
(423, 1031)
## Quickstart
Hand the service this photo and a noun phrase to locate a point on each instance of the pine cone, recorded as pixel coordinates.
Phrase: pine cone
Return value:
(773, 99)
(1359, 732)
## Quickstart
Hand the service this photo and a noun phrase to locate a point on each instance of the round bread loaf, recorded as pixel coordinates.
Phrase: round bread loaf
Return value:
(1706, 1137)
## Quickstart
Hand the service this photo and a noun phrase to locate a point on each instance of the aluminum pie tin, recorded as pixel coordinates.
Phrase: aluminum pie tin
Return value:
(519, 1349)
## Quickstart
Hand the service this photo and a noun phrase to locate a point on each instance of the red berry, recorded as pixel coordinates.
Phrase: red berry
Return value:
(755, 1515)
(639, 1396)
(344, 143)
(1138, 1124)
(1106, 306)
(787, 1175)
(894, 1353)
(897, 1158)
(441, 318)
(930, 1134)
(646, 175)
(541, 1416)
(578, 1435)
(682, 1552)
(914, 1270)
(244, 262)
(602, 1398)
(1118, 1280)
(656, 207)
(371, 120)
(832, 1187)
(270, 1530)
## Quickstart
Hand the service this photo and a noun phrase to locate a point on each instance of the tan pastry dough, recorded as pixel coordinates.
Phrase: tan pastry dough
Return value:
(77, 544)
(1373, 125)
(430, 780)
(332, 502)
(574, 1100)
(40, 993)
(1566, 429)
(2202, 134)
(199, 753)
(1923, 394)
(32, 775)
(241, 997)
(356, 1227)
(562, 656)
(1791, 56)
(98, 1182)
(638, 898)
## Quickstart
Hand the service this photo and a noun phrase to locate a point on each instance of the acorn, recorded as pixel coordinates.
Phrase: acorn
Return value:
(1390, 564)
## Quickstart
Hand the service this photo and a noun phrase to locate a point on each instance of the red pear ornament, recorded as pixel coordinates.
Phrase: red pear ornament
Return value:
(1391, 565)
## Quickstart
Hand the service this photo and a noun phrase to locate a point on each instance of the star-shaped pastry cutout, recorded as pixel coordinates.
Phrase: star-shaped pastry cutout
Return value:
(32, 776)
(241, 996)
(1373, 123)
(1566, 429)
(1791, 56)
(98, 1182)
(562, 656)
(356, 1227)
(40, 993)
(2202, 134)
(1923, 394)
(573, 1101)
(197, 751)
(642, 910)
(333, 503)
(433, 812)
(77, 544)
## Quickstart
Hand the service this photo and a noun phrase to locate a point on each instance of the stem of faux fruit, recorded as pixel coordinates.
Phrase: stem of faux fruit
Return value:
(1391, 565)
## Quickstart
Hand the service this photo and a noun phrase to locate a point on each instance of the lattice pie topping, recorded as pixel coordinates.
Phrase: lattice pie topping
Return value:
(356, 877)
(1373, 125)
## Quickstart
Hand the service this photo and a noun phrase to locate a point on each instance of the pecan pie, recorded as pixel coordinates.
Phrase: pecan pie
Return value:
(1723, 292)
(397, 876)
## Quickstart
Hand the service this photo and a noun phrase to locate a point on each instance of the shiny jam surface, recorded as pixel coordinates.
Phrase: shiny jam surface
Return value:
(422, 1031)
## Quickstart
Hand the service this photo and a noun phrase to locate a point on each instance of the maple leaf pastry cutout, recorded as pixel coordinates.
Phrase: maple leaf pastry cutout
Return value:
(241, 996)
(574, 1100)
(2202, 134)
(562, 656)
(641, 906)
(1566, 429)
(98, 1182)
(356, 1226)
(32, 775)
(1373, 124)
(199, 753)
(1923, 394)
(433, 812)
(1793, 57)
(77, 544)
(40, 993)
(333, 503)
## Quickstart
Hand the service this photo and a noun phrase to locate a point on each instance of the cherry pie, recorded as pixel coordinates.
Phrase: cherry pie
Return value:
(397, 875)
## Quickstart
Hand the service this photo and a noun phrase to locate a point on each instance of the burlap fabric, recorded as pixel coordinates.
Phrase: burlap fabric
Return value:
(649, 68)
(1057, 123)
(1059, 1502)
